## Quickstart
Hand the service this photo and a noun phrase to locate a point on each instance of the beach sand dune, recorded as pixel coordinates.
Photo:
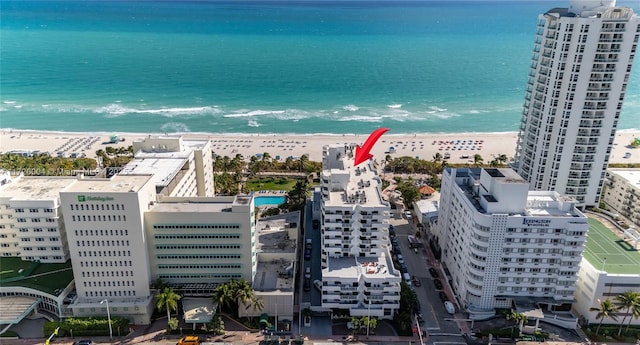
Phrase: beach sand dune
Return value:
(460, 147)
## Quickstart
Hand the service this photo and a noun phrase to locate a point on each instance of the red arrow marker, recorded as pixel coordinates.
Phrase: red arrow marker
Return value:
(362, 153)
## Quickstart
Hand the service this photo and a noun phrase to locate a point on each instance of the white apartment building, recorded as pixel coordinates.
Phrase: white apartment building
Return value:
(597, 283)
(182, 168)
(622, 193)
(582, 58)
(503, 244)
(31, 223)
(201, 240)
(105, 230)
(357, 271)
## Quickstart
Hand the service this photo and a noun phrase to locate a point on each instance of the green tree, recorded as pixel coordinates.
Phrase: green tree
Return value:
(519, 319)
(606, 309)
(173, 324)
(627, 300)
(478, 161)
(167, 299)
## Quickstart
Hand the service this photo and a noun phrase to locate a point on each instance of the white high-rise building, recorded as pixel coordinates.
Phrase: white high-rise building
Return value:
(502, 244)
(357, 269)
(31, 223)
(579, 72)
(108, 246)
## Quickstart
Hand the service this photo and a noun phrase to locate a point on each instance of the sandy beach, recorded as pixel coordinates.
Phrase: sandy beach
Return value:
(460, 146)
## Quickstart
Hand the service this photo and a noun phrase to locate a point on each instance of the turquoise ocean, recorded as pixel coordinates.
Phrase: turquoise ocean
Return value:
(256, 67)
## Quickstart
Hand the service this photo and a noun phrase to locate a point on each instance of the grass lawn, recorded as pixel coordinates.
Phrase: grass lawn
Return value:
(270, 183)
(45, 277)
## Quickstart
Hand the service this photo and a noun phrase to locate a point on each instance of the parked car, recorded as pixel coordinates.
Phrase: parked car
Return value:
(308, 243)
(307, 284)
(451, 309)
(400, 259)
(307, 254)
(416, 281)
(433, 272)
(316, 224)
(83, 342)
(443, 296)
(307, 272)
(408, 215)
(318, 284)
(438, 284)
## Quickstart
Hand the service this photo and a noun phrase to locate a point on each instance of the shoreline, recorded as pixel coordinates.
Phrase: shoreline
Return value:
(461, 146)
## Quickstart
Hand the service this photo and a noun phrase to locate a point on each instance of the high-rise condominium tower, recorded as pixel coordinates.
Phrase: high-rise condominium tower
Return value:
(579, 72)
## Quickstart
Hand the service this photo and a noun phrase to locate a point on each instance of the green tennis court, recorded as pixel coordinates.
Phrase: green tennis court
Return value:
(605, 249)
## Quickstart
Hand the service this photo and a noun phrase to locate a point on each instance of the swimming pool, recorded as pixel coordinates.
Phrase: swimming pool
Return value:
(268, 200)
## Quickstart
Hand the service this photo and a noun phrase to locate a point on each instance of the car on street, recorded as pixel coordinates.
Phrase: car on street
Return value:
(394, 241)
(318, 284)
(307, 284)
(400, 259)
(433, 272)
(83, 342)
(451, 309)
(308, 243)
(443, 296)
(408, 215)
(404, 268)
(416, 281)
(438, 284)
(307, 272)
(316, 224)
(307, 254)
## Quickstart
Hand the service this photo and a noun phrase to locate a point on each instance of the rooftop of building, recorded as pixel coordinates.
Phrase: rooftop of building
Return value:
(37, 188)
(48, 278)
(167, 147)
(276, 243)
(115, 184)
(606, 250)
(631, 176)
(351, 267)
(164, 170)
(198, 204)
(359, 185)
(278, 234)
(550, 204)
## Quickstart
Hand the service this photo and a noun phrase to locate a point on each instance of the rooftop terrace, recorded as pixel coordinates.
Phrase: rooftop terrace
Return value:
(605, 249)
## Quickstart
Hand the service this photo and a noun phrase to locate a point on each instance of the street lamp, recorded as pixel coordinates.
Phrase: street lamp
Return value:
(108, 318)
(369, 319)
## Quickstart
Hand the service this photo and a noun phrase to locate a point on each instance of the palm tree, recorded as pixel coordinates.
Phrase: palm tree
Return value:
(222, 295)
(167, 299)
(517, 318)
(627, 301)
(635, 312)
(606, 309)
(478, 160)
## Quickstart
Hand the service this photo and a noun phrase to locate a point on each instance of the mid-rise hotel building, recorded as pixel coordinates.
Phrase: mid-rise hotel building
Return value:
(182, 168)
(503, 245)
(578, 77)
(105, 230)
(357, 270)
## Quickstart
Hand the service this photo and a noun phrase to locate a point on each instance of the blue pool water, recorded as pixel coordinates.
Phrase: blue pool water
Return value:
(269, 200)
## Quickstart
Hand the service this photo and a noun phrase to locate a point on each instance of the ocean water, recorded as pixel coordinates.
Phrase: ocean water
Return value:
(271, 66)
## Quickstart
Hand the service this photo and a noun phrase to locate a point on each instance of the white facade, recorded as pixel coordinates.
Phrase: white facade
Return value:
(31, 223)
(201, 240)
(622, 193)
(595, 284)
(501, 242)
(579, 72)
(357, 270)
(180, 168)
(105, 230)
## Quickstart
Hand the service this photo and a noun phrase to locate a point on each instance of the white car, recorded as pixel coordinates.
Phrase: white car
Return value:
(408, 215)
(318, 285)
(451, 309)
(307, 272)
